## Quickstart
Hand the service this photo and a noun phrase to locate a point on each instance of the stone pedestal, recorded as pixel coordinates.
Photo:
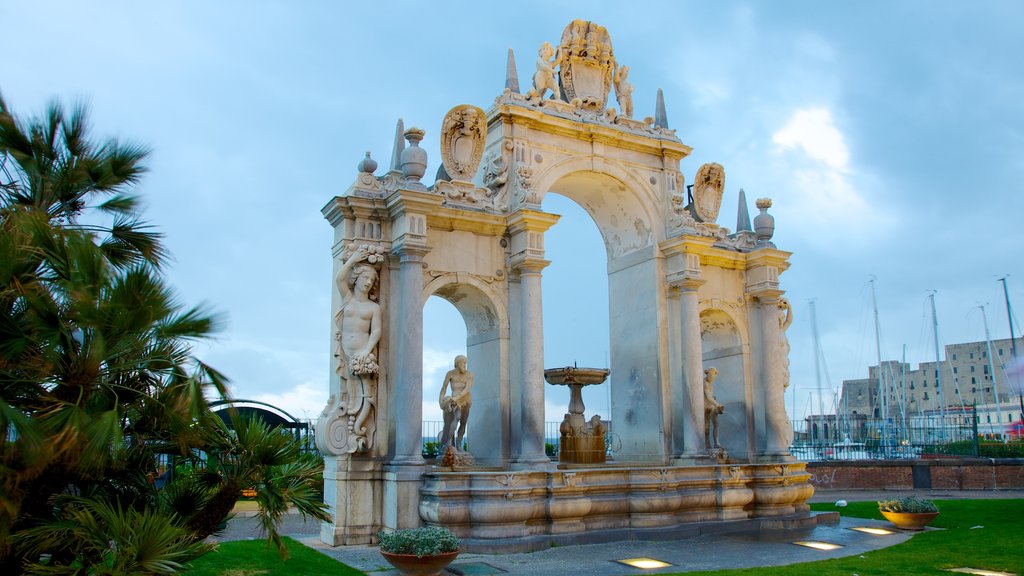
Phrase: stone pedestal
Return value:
(353, 492)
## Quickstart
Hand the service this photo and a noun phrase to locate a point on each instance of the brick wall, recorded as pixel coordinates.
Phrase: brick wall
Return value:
(941, 474)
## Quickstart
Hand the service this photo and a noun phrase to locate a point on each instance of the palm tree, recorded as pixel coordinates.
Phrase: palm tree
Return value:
(97, 375)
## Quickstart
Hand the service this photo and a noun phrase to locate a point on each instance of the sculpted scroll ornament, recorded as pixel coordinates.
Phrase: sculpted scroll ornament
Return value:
(462, 141)
(348, 423)
(707, 191)
(495, 172)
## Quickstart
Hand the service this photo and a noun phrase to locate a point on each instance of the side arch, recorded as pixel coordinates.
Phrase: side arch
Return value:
(723, 346)
(487, 348)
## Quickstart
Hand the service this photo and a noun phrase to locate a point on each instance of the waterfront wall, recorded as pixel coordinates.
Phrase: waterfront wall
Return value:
(928, 474)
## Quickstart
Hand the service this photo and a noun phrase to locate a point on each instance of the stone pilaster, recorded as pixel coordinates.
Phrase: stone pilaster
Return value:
(688, 283)
(526, 230)
(407, 403)
(778, 430)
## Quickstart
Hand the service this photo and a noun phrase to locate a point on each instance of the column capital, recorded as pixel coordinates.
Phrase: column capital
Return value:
(526, 264)
(532, 220)
(685, 281)
(409, 251)
(766, 296)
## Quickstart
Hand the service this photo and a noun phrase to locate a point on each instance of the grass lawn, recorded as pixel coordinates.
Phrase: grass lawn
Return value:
(978, 534)
(254, 558)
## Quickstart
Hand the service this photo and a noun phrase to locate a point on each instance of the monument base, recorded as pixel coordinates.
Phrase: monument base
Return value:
(352, 490)
(509, 512)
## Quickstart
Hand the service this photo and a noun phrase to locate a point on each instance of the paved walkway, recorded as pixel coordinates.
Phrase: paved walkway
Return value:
(710, 552)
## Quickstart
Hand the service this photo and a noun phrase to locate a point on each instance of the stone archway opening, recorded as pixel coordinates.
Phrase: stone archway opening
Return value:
(444, 338)
(722, 348)
(456, 298)
(575, 305)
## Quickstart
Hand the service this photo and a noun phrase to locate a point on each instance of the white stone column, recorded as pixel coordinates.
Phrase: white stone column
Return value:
(531, 453)
(526, 231)
(693, 367)
(777, 425)
(407, 406)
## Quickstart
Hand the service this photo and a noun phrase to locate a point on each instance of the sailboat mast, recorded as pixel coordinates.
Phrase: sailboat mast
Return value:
(991, 366)
(817, 365)
(938, 366)
(878, 350)
(1013, 339)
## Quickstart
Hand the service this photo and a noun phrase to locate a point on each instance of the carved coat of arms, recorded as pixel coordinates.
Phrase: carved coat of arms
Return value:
(708, 187)
(587, 63)
(463, 133)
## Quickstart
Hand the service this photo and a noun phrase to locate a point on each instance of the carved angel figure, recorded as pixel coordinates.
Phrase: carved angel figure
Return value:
(624, 91)
(544, 78)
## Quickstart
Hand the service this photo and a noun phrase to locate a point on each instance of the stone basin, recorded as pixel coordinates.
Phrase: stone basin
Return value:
(574, 375)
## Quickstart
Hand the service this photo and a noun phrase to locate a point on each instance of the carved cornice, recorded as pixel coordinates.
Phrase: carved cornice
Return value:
(342, 207)
(448, 218)
(558, 118)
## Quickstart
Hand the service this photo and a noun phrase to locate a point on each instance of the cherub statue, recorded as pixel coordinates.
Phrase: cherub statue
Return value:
(544, 78)
(624, 91)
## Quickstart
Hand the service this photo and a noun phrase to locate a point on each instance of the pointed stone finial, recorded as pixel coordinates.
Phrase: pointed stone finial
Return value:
(660, 117)
(742, 214)
(396, 153)
(511, 76)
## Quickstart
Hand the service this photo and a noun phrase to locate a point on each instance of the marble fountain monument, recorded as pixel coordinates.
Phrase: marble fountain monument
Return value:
(685, 295)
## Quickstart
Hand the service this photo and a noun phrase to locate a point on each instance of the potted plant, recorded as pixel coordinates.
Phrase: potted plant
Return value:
(419, 551)
(908, 513)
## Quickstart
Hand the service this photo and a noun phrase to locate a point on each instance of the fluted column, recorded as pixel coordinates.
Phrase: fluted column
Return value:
(407, 409)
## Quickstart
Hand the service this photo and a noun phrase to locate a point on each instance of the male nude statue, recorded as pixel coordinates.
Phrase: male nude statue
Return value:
(711, 408)
(456, 407)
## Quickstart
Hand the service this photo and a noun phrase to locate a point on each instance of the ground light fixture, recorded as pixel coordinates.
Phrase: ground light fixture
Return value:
(817, 545)
(644, 563)
(872, 530)
(980, 572)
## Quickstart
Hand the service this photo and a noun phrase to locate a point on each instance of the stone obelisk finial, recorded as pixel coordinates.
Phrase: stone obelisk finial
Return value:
(511, 76)
(396, 152)
(660, 117)
(742, 214)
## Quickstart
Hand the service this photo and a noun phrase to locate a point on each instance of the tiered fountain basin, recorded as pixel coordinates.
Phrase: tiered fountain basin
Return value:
(520, 511)
(580, 442)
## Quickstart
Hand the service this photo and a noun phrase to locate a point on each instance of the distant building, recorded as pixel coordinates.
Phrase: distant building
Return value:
(967, 376)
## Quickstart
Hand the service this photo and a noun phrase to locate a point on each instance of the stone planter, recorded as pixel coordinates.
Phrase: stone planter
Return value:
(412, 565)
(909, 520)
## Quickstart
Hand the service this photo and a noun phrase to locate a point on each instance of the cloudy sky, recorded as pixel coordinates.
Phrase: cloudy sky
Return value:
(890, 136)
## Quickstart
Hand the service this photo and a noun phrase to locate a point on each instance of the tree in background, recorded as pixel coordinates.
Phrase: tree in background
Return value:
(97, 376)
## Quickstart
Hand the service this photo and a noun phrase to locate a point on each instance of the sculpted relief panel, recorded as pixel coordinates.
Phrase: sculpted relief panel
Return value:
(348, 423)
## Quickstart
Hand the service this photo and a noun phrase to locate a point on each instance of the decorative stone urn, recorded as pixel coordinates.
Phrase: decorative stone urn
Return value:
(413, 565)
(909, 520)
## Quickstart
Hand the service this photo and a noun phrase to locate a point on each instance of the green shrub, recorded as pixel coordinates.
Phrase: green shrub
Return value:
(907, 504)
(426, 541)
(431, 449)
(549, 449)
